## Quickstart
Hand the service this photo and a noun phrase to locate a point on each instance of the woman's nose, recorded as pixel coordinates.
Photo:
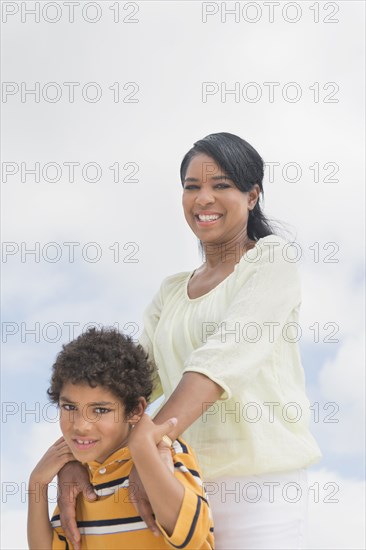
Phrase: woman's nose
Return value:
(205, 196)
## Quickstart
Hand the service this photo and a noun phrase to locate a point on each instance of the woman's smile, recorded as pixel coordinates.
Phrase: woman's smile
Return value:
(207, 218)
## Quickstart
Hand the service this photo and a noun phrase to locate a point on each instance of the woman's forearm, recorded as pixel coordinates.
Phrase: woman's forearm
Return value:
(194, 394)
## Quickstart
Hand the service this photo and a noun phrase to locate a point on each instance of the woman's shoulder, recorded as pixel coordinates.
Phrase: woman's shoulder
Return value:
(274, 239)
(271, 248)
(273, 256)
(173, 281)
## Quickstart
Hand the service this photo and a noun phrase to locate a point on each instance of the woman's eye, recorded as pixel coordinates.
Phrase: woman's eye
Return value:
(222, 186)
(190, 187)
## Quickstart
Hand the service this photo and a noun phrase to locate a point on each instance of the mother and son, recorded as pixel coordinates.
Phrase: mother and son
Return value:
(148, 490)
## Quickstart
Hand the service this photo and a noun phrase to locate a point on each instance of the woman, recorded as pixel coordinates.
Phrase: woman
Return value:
(224, 340)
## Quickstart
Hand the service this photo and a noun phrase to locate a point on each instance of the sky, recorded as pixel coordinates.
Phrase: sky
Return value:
(100, 102)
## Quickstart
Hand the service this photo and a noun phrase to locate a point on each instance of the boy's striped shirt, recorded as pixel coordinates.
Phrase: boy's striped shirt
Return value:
(112, 522)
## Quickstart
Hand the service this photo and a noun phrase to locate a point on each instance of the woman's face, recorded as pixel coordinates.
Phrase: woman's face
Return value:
(215, 209)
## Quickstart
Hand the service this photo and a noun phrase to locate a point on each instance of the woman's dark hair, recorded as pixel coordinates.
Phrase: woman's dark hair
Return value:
(242, 164)
(104, 358)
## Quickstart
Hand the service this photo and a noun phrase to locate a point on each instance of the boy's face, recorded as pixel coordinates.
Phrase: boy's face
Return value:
(93, 421)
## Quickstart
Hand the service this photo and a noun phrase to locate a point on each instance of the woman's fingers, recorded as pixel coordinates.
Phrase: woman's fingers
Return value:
(73, 479)
(66, 502)
(165, 428)
(89, 493)
(146, 512)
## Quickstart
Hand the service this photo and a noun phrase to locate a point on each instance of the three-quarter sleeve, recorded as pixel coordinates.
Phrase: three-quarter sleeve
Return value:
(261, 312)
(150, 319)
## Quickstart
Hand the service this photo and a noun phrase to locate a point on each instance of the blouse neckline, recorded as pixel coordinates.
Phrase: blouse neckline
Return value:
(191, 273)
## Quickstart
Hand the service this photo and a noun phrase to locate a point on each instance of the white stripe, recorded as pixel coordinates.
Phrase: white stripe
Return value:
(177, 447)
(56, 523)
(107, 529)
(111, 529)
(185, 470)
(106, 491)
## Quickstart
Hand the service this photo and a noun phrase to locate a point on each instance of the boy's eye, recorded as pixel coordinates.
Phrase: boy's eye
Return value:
(101, 410)
(68, 407)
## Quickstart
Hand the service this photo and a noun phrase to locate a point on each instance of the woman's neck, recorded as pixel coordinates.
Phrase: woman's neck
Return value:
(228, 253)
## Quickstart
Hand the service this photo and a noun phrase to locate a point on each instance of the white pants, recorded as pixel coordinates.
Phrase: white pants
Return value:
(260, 512)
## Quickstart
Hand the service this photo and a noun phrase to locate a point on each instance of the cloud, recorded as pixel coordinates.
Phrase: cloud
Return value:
(336, 512)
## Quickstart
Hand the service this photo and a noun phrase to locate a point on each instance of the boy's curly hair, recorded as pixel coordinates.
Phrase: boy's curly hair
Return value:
(108, 358)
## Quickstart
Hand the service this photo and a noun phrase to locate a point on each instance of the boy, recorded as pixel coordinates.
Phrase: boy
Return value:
(102, 383)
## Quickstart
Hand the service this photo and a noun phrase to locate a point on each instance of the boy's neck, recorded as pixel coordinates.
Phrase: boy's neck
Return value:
(123, 447)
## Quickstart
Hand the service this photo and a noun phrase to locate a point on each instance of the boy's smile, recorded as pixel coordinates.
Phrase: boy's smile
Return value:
(93, 421)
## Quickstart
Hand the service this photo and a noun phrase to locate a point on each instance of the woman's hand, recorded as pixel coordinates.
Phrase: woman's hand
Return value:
(144, 430)
(51, 463)
(73, 479)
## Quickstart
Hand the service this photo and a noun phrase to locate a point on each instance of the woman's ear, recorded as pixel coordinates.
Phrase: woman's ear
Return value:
(138, 411)
(253, 195)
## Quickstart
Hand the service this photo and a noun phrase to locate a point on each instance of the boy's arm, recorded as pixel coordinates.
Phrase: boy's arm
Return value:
(164, 491)
(40, 532)
(176, 494)
(194, 527)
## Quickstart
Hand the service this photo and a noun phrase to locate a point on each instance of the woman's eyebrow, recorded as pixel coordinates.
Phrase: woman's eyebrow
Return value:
(191, 179)
(210, 177)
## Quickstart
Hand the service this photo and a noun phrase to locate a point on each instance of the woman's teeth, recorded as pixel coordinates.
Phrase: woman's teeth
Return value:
(207, 218)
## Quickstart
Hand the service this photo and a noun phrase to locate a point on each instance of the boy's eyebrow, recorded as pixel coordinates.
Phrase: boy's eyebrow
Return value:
(98, 403)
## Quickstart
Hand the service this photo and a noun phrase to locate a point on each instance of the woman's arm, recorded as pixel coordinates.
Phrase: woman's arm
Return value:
(194, 394)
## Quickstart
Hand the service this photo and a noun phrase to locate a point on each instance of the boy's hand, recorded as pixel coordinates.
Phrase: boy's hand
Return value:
(146, 431)
(143, 432)
(51, 463)
(73, 479)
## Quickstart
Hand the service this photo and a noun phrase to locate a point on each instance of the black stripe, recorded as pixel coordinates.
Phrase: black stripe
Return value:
(204, 500)
(192, 528)
(110, 483)
(193, 472)
(106, 522)
(55, 518)
(184, 447)
(64, 539)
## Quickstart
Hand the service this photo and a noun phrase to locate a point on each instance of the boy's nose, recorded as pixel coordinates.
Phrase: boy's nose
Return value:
(81, 423)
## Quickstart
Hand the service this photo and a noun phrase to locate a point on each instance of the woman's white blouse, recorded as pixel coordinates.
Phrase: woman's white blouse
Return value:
(243, 335)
